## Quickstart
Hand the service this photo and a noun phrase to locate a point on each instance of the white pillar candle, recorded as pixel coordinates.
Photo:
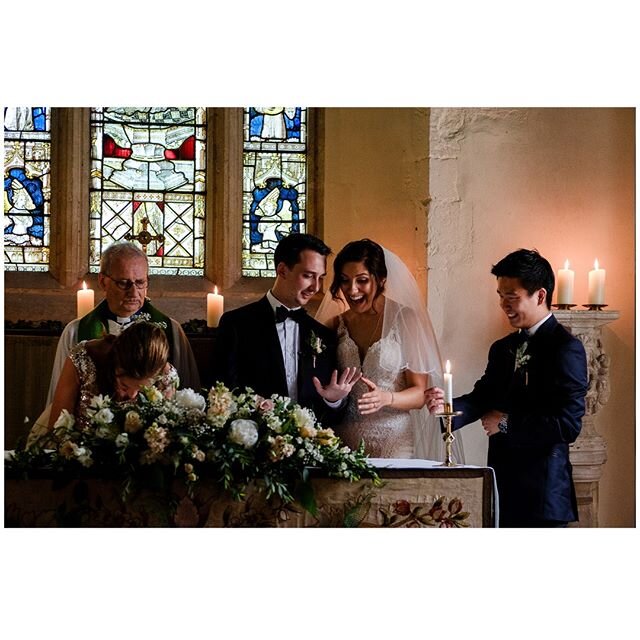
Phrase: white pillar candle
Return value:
(566, 278)
(596, 284)
(215, 308)
(448, 384)
(84, 300)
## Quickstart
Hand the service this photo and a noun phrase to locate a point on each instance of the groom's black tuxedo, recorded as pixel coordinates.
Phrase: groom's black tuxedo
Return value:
(248, 354)
(544, 398)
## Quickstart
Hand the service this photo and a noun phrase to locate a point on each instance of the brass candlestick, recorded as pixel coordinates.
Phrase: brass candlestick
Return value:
(563, 306)
(447, 415)
(594, 307)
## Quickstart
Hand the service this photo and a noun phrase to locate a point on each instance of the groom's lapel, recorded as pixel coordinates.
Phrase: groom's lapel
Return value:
(267, 323)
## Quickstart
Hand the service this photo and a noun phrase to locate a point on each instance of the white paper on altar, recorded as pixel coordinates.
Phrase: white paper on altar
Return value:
(416, 463)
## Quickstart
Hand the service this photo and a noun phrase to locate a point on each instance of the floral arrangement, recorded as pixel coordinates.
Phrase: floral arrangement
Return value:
(235, 438)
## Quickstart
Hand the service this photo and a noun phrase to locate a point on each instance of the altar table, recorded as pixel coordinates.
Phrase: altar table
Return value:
(415, 493)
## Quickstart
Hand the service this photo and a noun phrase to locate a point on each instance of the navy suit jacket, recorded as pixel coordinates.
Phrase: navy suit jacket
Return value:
(248, 354)
(545, 401)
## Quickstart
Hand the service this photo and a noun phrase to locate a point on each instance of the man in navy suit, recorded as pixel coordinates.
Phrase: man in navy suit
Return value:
(530, 399)
(274, 346)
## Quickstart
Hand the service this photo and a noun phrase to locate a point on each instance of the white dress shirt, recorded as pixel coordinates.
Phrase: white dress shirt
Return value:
(289, 336)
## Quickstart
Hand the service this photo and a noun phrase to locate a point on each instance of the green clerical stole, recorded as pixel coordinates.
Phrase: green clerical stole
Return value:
(96, 323)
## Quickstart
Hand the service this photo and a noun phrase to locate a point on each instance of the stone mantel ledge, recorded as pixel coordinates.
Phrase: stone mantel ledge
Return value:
(585, 319)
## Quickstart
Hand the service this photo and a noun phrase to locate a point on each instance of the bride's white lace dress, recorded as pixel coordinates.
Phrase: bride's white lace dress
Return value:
(388, 433)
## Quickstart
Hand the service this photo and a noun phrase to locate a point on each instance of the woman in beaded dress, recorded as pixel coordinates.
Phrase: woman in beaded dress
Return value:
(118, 366)
(383, 327)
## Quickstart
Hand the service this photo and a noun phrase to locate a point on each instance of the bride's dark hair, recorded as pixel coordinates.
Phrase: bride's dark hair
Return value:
(366, 251)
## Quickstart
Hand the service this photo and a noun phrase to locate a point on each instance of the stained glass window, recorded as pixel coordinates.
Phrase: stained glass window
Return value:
(148, 183)
(274, 183)
(27, 188)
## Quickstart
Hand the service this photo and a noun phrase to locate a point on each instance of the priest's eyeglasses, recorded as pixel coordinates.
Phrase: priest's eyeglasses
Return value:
(125, 285)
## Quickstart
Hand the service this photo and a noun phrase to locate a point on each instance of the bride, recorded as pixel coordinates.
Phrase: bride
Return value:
(375, 307)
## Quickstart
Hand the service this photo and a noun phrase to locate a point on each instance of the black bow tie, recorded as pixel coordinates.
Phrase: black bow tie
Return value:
(282, 313)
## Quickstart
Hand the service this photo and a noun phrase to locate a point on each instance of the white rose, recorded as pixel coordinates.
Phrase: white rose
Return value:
(189, 399)
(122, 440)
(104, 416)
(244, 433)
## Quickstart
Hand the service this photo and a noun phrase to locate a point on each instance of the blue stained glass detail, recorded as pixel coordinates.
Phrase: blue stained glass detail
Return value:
(39, 119)
(291, 123)
(33, 187)
(285, 194)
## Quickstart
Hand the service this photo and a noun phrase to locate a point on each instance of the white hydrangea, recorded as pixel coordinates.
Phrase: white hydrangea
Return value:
(244, 433)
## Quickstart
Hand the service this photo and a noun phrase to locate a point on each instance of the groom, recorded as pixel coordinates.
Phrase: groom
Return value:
(530, 399)
(274, 346)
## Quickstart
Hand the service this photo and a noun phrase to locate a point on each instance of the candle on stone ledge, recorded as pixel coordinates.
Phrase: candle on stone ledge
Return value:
(215, 308)
(84, 300)
(596, 284)
(566, 279)
(448, 385)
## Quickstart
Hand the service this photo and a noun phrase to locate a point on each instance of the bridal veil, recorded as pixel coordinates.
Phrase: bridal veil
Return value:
(408, 319)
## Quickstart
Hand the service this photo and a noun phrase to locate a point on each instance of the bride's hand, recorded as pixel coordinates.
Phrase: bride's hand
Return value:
(373, 400)
(434, 400)
(338, 388)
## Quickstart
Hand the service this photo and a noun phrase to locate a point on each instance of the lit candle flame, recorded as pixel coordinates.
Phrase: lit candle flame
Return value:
(84, 284)
(215, 290)
(566, 263)
(447, 367)
(595, 264)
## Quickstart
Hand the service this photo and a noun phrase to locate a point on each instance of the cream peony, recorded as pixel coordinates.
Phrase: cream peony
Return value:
(189, 399)
(244, 433)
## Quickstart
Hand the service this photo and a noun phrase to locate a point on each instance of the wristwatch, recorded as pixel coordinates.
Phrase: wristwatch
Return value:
(503, 424)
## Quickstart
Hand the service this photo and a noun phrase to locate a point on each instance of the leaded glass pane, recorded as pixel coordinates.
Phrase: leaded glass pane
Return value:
(27, 188)
(274, 183)
(148, 184)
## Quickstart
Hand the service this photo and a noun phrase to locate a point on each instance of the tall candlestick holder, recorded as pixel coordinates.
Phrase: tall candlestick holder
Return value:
(447, 415)
(594, 307)
(563, 306)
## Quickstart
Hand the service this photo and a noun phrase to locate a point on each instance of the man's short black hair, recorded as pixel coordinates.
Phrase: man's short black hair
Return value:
(533, 271)
(291, 246)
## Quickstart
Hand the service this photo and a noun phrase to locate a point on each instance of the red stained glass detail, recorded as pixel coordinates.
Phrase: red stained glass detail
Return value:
(186, 151)
(111, 150)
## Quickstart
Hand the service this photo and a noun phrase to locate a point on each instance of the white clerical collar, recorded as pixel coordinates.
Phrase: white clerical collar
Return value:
(275, 303)
(537, 325)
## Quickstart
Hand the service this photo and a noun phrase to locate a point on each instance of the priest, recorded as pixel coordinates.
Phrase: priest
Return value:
(124, 278)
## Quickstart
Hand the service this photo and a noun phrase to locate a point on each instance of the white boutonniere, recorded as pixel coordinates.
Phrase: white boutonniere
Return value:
(316, 345)
(521, 360)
